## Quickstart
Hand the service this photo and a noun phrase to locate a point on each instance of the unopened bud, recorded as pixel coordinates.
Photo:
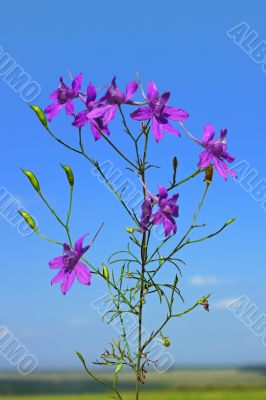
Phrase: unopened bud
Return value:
(40, 114)
(33, 180)
(30, 221)
(230, 221)
(105, 272)
(69, 174)
(175, 165)
(165, 341)
(131, 230)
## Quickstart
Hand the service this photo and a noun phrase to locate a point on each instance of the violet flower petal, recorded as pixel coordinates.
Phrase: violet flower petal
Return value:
(152, 90)
(68, 281)
(208, 133)
(56, 263)
(59, 276)
(131, 90)
(83, 274)
(69, 105)
(76, 83)
(142, 114)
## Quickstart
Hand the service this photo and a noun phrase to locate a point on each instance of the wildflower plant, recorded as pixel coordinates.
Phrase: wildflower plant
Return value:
(143, 269)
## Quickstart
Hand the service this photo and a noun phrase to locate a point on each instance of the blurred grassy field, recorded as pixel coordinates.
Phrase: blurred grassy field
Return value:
(212, 384)
(183, 395)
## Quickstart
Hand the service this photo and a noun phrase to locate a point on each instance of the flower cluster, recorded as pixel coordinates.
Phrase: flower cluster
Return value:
(98, 113)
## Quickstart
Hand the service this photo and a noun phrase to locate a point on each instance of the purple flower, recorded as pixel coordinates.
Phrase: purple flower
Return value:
(215, 152)
(159, 113)
(168, 210)
(64, 96)
(70, 265)
(97, 124)
(113, 98)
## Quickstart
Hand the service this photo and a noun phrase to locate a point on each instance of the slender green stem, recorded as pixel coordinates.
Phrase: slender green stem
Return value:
(116, 148)
(142, 283)
(174, 185)
(111, 387)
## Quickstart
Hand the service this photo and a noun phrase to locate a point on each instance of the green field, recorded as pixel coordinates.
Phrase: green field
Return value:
(183, 395)
(208, 384)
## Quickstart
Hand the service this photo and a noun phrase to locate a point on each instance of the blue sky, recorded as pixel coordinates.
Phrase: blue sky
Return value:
(185, 49)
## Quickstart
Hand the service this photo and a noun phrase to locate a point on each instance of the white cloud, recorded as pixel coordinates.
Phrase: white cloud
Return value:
(199, 280)
(223, 304)
(79, 322)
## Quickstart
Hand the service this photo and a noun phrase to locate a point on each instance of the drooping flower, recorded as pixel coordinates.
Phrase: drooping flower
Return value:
(63, 97)
(215, 152)
(70, 266)
(113, 98)
(97, 124)
(168, 211)
(159, 113)
(165, 215)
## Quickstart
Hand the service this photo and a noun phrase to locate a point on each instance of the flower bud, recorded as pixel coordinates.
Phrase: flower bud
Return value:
(69, 174)
(230, 221)
(165, 341)
(175, 165)
(33, 180)
(40, 114)
(105, 272)
(30, 221)
(131, 230)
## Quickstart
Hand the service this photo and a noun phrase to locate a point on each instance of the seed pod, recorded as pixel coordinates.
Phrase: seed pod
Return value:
(69, 174)
(30, 221)
(208, 174)
(105, 272)
(33, 180)
(40, 114)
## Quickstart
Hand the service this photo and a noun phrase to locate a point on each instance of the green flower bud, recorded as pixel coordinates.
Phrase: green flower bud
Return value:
(33, 180)
(105, 272)
(230, 221)
(40, 114)
(175, 165)
(30, 221)
(131, 230)
(166, 342)
(69, 174)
